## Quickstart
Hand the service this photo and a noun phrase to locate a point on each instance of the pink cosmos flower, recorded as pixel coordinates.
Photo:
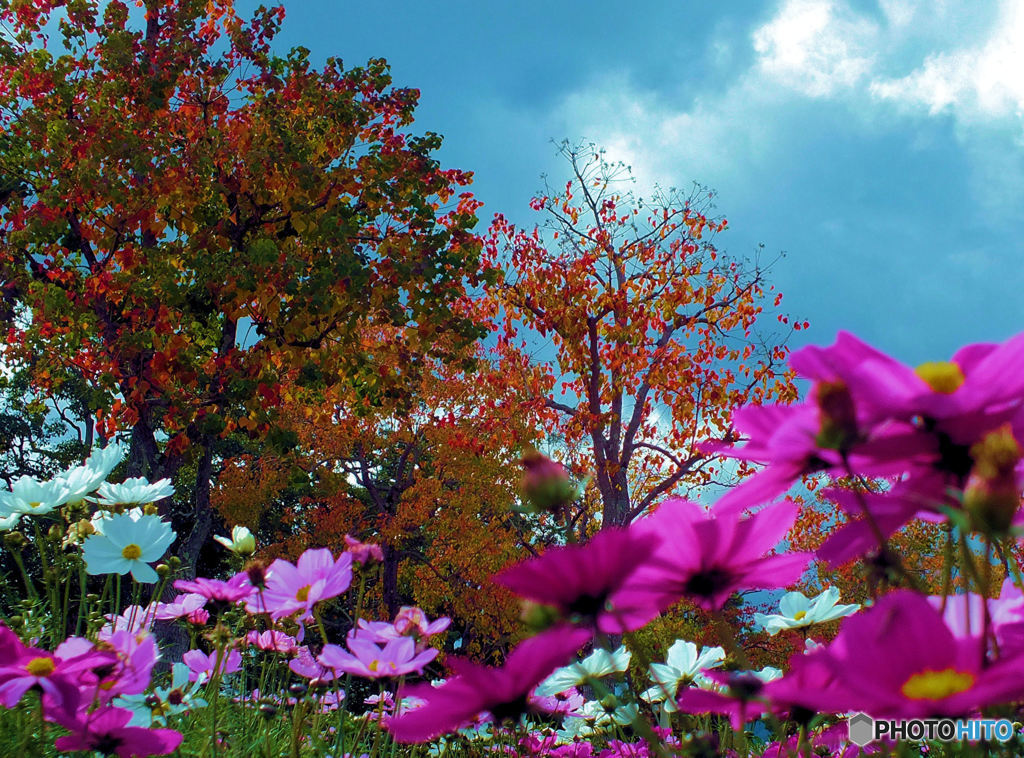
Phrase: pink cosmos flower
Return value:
(741, 699)
(409, 622)
(586, 582)
(501, 691)
(362, 552)
(983, 379)
(202, 667)
(272, 640)
(707, 556)
(137, 654)
(106, 731)
(565, 703)
(788, 439)
(182, 605)
(134, 619)
(898, 659)
(235, 589)
(368, 660)
(306, 666)
(297, 588)
(23, 668)
(965, 616)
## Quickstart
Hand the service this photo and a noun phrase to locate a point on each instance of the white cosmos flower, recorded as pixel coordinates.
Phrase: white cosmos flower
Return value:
(102, 517)
(609, 711)
(128, 544)
(798, 610)
(30, 496)
(242, 542)
(682, 665)
(8, 522)
(597, 664)
(768, 674)
(135, 490)
(85, 479)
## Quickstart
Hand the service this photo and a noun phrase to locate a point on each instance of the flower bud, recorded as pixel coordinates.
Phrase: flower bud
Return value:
(992, 495)
(546, 484)
(538, 616)
(838, 416)
(15, 540)
(163, 570)
(257, 573)
(241, 543)
(268, 711)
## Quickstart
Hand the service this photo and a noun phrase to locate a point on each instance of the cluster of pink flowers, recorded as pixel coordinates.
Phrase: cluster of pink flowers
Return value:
(943, 436)
(76, 684)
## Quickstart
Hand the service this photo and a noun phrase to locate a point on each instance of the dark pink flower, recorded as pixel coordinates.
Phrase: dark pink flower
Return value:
(233, 590)
(705, 556)
(503, 692)
(362, 552)
(788, 439)
(137, 654)
(585, 582)
(56, 679)
(898, 659)
(106, 731)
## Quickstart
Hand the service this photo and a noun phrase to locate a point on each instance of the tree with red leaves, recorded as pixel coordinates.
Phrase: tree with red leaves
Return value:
(188, 220)
(650, 329)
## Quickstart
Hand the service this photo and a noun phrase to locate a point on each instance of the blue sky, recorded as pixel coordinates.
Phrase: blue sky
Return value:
(879, 143)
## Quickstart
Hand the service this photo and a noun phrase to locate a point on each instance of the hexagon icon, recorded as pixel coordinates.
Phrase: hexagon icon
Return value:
(862, 729)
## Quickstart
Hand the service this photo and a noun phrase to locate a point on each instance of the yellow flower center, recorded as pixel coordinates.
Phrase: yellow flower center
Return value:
(303, 594)
(40, 666)
(34, 505)
(374, 665)
(799, 615)
(132, 552)
(944, 377)
(936, 685)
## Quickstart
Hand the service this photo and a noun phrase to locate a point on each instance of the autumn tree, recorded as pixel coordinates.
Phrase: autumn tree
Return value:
(649, 331)
(430, 474)
(189, 220)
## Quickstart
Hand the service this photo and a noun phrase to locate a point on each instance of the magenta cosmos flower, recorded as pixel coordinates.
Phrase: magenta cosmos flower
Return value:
(705, 557)
(23, 668)
(106, 731)
(409, 622)
(363, 552)
(585, 582)
(792, 440)
(983, 379)
(233, 590)
(503, 692)
(201, 667)
(297, 588)
(371, 661)
(898, 659)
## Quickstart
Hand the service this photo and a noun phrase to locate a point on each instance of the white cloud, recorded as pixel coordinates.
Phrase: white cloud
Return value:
(976, 83)
(903, 59)
(815, 47)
